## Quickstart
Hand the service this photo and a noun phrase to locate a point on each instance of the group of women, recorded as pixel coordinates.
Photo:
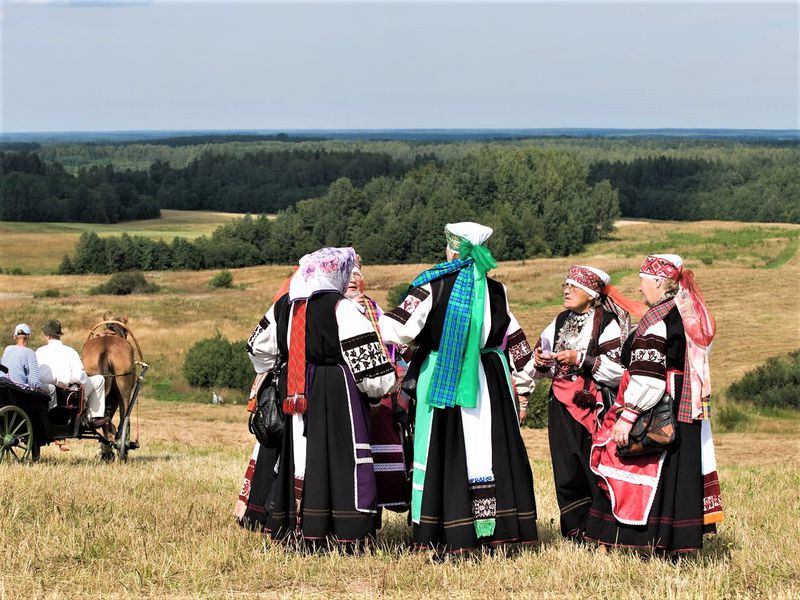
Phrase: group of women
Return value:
(419, 408)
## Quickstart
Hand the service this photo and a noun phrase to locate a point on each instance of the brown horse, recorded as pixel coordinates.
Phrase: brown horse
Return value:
(109, 353)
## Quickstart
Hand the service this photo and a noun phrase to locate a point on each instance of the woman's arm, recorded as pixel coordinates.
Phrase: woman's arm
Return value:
(648, 371)
(521, 358)
(606, 367)
(262, 345)
(403, 324)
(373, 373)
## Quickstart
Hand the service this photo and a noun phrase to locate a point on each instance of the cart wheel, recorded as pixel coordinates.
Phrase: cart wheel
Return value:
(16, 435)
(124, 440)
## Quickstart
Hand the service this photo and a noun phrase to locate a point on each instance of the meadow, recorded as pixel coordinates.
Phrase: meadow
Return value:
(32, 247)
(160, 525)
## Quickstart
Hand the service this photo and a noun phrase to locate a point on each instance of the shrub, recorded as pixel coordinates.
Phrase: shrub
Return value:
(395, 295)
(223, 279)
(731, 418)
(537, 406)
(775, 384)
(122, 284)
(216, 362)
(48, 293)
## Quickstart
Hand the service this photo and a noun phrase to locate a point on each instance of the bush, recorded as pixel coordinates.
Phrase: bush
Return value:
(48, 293)
(537, 405)
(122, 284)
(223, 279)
(216, 362)
(775, 384)
(731, 418)
(395, 295)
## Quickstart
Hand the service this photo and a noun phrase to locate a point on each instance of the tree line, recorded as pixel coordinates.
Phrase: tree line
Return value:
(259, 182)
(687, 189)
(32, 190)
(538, 202)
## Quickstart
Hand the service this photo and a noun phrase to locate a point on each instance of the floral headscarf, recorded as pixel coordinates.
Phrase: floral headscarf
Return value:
(327, 269)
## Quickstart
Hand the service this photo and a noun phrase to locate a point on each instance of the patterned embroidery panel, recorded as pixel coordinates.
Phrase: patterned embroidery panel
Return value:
(648, 357)
(262, 325)
(484, 499)
(365, 356)
(612, 349)
(519, 349)
(484, 508)
(403, 312)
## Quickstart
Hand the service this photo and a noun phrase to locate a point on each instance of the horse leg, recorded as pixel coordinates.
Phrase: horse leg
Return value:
(124, 387)
(109, 431)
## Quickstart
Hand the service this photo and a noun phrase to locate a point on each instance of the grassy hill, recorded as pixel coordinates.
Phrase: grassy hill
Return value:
(160, 525)
(39, 247)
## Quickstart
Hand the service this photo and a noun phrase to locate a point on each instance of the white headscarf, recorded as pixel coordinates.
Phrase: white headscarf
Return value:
(476, 233)
(326, 270)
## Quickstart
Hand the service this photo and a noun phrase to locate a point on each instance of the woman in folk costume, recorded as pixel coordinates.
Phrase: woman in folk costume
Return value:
(665, 500)
(251, 505)
(580, 350)
(471, 482)
(324, 487)
(387, 437)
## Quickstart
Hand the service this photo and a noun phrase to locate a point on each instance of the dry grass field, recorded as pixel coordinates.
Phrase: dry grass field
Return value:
(38, 247)
(160, 526)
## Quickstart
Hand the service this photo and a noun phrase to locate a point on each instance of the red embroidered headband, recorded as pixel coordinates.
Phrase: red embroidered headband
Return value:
(658, 266)
(591, 281)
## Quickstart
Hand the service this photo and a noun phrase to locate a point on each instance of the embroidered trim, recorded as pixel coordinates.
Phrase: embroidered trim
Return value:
(262, 325)
(365, 356)
(484, 508)
(403, 312)
(519, 348)
(648, 355)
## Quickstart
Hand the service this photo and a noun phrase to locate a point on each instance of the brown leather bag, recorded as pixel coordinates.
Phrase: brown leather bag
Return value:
(654, 430)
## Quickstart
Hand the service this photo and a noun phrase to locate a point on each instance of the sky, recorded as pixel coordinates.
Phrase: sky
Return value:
(140, 65)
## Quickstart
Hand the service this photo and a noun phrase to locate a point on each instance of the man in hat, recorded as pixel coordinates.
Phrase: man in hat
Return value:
(23, 368)
(61, 366)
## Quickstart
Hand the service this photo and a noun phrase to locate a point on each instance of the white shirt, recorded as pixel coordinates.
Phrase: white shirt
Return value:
(59, 364)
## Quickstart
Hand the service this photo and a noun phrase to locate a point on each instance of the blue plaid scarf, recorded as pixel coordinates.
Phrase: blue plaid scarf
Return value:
(458, 334)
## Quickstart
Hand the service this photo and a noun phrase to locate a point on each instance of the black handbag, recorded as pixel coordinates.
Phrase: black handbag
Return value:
(266, 421)
(655, 430)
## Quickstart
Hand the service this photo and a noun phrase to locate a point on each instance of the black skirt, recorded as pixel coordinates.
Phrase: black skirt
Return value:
(576, 485)
(327, 509)
(446, 521)
(255, 516)
(675, 523)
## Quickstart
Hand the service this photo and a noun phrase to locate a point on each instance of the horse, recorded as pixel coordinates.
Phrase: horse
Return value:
(110, 353)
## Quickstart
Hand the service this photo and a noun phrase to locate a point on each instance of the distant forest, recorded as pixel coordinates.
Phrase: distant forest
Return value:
(538, 202)
(390, 198)
(260, 182)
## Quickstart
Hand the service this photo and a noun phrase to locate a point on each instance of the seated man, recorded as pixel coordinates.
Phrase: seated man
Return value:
(23, 368)
(61, 366)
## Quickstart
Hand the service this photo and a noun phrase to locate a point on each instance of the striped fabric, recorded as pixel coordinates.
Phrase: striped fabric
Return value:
(444, 385)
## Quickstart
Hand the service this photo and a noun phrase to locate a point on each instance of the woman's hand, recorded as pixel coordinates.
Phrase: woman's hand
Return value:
(567, 357)
(619, 433)
(540, 359)
(523, 408)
